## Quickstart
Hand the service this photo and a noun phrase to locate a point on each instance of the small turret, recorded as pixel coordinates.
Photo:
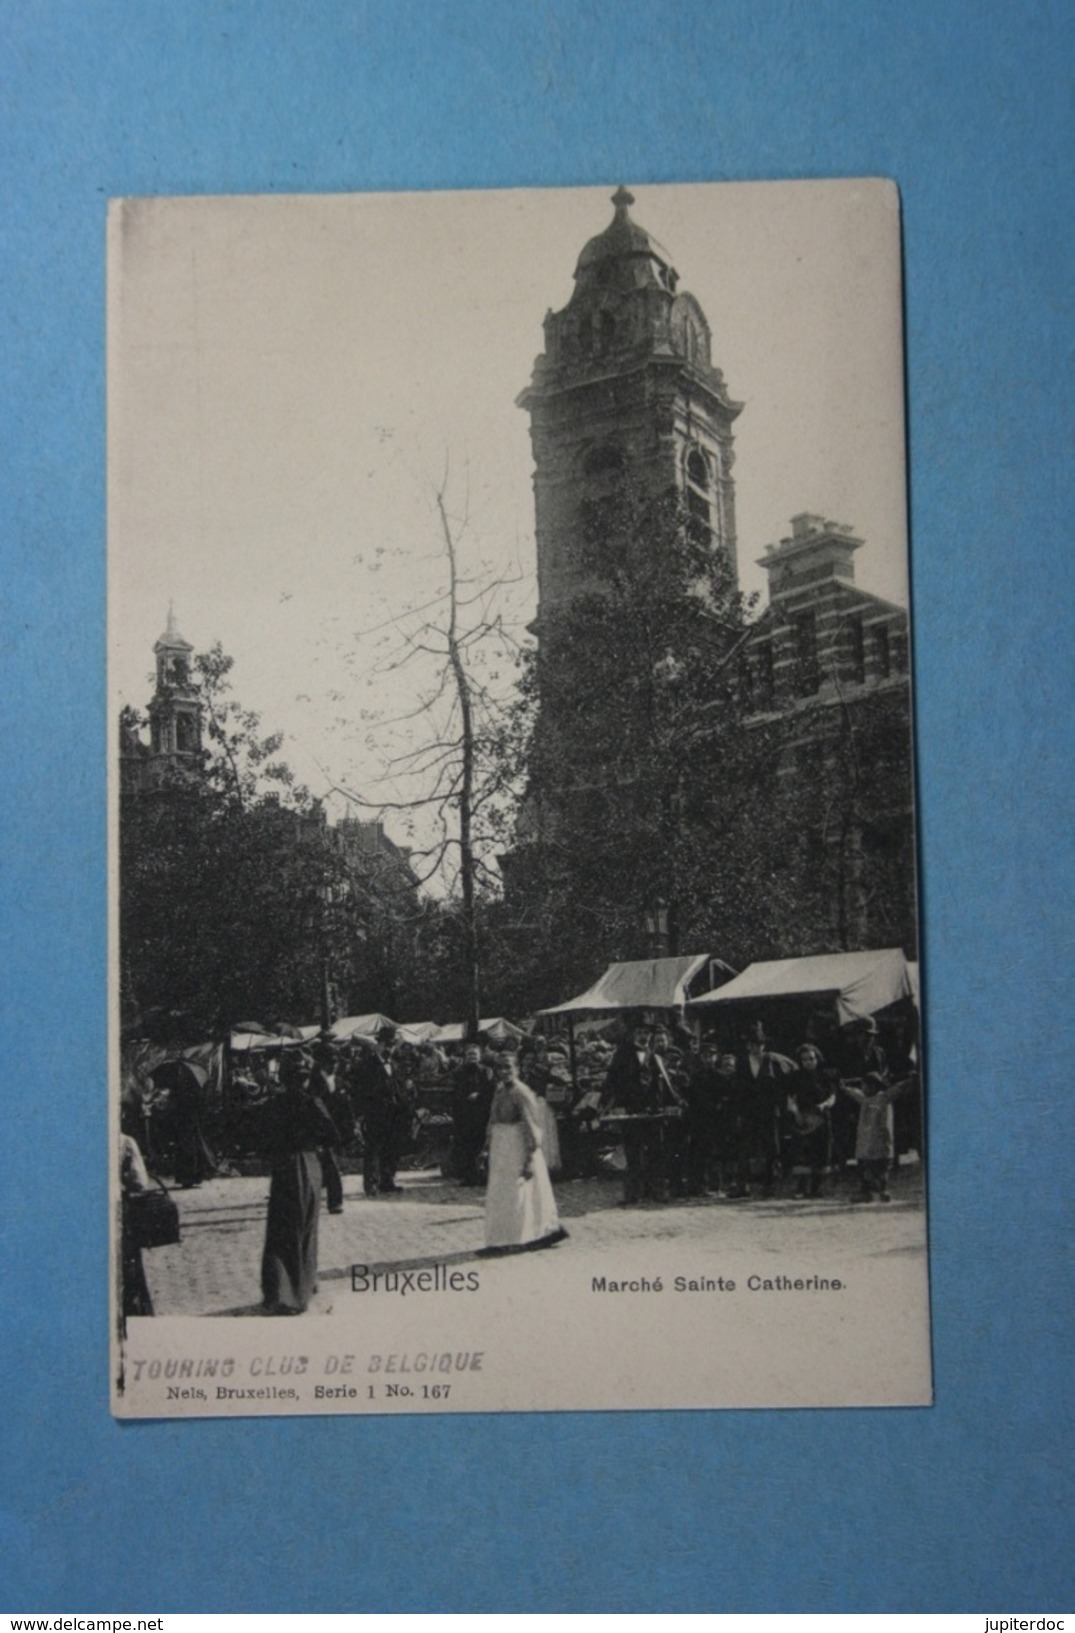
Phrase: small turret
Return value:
(175, 713)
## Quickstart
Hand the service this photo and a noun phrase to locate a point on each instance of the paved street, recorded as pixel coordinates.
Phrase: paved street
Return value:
(215, 1269)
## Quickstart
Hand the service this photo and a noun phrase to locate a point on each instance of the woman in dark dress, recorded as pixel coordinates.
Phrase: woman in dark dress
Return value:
(299, 1127)
(194, 1161)
(133, 1178)
(811, 1093)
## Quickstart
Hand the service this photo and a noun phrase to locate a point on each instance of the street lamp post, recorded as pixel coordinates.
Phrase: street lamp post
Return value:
(656, 923)
(325, 895)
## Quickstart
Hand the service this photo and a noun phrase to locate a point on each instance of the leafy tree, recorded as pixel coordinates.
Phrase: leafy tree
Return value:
(663, 812)
(631, 693)
(237, 900)
(238, 761)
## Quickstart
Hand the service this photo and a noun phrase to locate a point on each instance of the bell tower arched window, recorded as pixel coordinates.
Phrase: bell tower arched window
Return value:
(699, 495)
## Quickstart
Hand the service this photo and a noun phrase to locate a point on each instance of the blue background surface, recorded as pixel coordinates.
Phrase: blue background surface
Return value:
(968, 107)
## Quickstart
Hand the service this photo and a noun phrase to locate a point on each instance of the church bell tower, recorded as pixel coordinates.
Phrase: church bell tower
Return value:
(175, 715)
(625, 390)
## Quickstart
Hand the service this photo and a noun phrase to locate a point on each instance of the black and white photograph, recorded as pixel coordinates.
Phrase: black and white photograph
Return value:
(514, 950)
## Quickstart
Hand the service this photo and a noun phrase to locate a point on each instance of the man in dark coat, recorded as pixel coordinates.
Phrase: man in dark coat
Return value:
(323, 1087)
(677, 1065)
(706, 1092)
(378, 1098)
(638, 1084)
(193, 1159)
(472, 1099)
(759, 1104)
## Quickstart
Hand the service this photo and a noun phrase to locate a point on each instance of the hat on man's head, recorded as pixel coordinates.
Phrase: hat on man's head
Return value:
(295, 1065)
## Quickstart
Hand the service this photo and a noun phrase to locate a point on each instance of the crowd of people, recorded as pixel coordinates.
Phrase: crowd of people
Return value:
(687, 1117)
(699, 1120)
(520, 1209)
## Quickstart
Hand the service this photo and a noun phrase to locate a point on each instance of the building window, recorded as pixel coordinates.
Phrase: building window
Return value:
(699, 508)
(766, 675)
(700, 517)
(697, 469)
(807, 676)
(883, 651)
(186, 734)
(857, 631)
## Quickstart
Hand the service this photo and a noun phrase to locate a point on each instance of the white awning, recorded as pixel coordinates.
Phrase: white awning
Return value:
(240, 1043)
(654, 983)
(494, 1027)
(359, 1026)
(860, 983)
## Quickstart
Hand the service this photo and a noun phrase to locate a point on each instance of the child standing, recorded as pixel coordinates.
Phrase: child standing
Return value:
(873, 1140)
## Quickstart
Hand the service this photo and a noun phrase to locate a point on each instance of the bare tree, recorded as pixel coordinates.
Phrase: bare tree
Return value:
(453, 789)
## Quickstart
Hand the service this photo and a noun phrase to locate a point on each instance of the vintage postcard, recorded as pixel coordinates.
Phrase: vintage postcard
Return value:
(514, 981)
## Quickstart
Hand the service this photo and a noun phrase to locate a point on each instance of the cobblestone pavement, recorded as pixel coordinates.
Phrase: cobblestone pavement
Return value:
(215, 1269)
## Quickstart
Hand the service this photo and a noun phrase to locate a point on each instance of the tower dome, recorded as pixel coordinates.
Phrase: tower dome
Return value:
(625, 392)
(624, 254)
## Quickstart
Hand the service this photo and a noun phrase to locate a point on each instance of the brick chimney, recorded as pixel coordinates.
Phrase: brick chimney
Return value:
(816, 550)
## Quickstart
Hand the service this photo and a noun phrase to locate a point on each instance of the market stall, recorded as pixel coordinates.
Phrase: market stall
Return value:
(803, 997)
(653, 989)
(360, 1026)
(820, 999)
(494, 1029)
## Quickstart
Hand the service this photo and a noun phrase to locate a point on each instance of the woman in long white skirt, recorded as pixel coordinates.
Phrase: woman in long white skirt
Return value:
(520, 1208)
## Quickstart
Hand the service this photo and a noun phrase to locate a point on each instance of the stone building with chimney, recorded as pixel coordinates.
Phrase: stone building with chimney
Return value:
(820, 636)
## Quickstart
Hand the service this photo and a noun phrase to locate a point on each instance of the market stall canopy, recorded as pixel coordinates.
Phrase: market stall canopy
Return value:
(147, 1064)
(860, 983)
(301, 1034)
(496, 1028)
(179, 1073)
(653, 983)
(240, 1043)
(418, 1031)
(360, 1026)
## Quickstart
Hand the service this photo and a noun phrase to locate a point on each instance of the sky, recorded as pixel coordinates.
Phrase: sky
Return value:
(290, 380)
